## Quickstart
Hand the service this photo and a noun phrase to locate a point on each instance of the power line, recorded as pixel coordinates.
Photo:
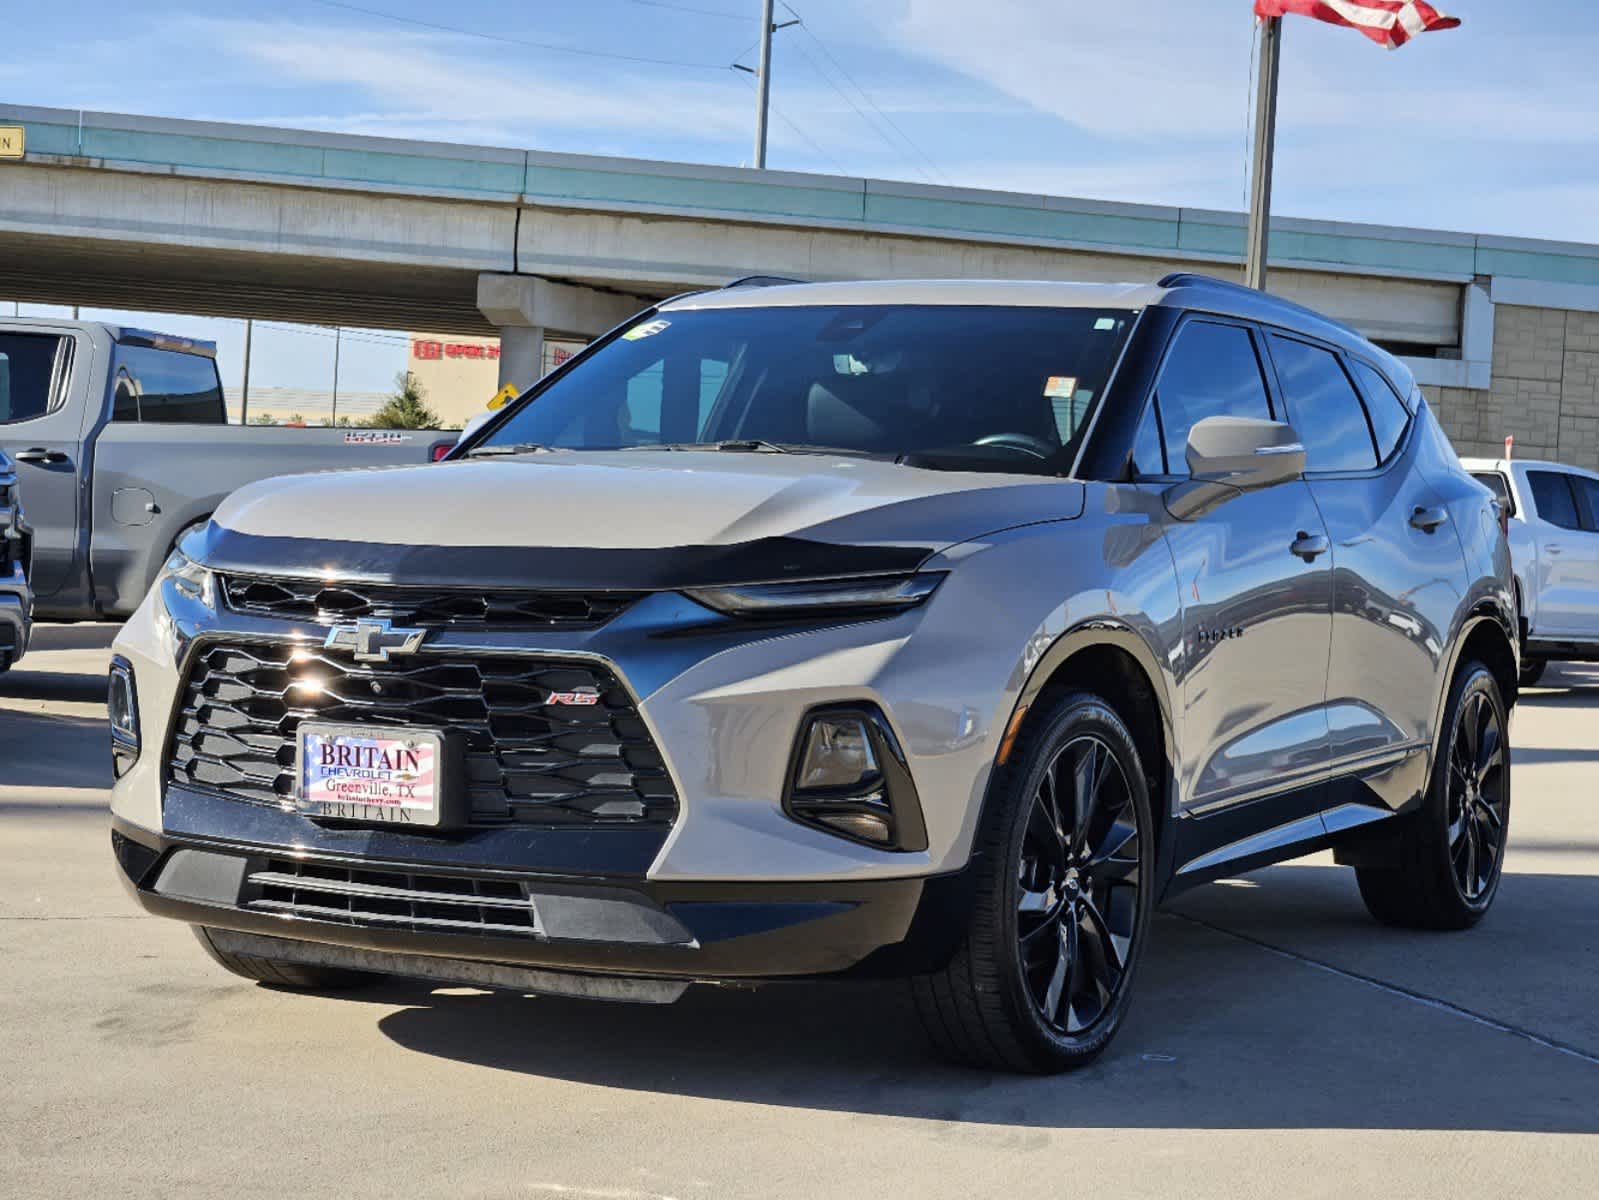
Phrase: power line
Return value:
(865, 95)
(859, 111)
(798, 132)
(688, 8)
(555, 47)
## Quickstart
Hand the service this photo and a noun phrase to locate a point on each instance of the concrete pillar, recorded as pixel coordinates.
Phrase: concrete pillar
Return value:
(524, 307)
(521, 355)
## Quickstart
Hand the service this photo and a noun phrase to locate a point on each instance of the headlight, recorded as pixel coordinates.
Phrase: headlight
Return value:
(190, 578)
(849, 776)
(882, 594)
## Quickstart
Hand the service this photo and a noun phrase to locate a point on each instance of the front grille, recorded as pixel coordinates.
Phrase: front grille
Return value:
(526, 761)
(395, 899)
(430, 608)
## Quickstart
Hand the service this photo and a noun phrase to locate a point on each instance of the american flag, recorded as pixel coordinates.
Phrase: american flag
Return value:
(1389, 23)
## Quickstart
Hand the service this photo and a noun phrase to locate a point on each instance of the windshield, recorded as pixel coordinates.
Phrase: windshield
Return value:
(974, 388)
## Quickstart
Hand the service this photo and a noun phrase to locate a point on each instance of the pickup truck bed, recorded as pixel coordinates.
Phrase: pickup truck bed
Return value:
(121, 443)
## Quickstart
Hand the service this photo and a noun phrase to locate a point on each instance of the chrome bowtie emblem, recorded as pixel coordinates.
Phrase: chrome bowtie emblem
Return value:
(374, 641)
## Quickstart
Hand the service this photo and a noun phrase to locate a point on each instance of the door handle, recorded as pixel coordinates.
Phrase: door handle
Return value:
(1310, 546)
(38, 454)
(1428, 517)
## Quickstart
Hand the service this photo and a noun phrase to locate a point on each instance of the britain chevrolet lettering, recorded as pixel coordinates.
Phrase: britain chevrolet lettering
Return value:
(930, 630)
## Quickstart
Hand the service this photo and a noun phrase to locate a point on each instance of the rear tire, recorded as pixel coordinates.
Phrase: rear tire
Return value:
(1451, 853)
(1062, 897)
(1532, 670)
(289, 975)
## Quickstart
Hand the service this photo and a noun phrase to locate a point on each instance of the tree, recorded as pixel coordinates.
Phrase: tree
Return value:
(407, 407)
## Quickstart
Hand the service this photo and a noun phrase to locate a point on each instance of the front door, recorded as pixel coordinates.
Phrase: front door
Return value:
(1566, 558)
(1255, 579)
(41, 432)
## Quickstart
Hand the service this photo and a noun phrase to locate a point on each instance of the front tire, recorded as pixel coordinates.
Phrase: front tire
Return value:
(1532, 670)
(1451, 853)
(292, 976)
(1063, 895)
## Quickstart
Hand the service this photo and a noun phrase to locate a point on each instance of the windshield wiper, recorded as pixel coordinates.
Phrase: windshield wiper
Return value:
(751, 446)
(502, 451)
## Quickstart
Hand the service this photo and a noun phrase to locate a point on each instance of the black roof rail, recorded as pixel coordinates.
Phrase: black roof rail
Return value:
(760, 281)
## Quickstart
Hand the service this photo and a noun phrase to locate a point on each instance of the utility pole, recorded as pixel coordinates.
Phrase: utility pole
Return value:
(764, 85)
(244, 403)
(338, 340)
(1271, 46)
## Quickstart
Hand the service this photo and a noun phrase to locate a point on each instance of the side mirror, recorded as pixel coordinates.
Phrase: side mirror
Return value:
(1230, 455)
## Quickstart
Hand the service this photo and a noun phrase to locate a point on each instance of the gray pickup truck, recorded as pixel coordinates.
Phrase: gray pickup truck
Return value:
(121, 443)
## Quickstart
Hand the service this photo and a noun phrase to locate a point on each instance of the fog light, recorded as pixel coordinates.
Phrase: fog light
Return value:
(122, 706)
(850, 777)
(838, 754)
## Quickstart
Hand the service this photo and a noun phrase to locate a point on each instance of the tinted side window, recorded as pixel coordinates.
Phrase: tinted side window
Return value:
(28, 373)
(1383, 406)
(1212, 371)
(1324, 407)
(1551, 496)
(166, 386)
(1587, 501)
(1148, 457)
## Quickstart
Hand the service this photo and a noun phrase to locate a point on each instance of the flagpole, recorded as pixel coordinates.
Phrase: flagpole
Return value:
(1271, 45)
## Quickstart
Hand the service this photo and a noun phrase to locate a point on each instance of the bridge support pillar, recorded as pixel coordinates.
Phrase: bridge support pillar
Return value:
(524, 307)
(521, 355)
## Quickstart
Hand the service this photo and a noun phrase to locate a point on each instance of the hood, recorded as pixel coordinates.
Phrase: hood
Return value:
(579, 519)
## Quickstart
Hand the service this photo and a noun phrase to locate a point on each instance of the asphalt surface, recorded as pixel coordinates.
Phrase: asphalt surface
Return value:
(1281, 1044)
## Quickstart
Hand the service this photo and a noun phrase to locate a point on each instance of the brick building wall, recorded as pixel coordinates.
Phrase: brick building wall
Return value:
(1545, 390)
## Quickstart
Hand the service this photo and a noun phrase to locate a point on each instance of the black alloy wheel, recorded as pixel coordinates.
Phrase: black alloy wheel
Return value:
(1078, 887)
(1443, 867)
(1477, 794)
(1063, 880)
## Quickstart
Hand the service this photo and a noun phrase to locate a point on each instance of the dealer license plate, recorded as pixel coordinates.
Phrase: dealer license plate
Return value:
(354, 773)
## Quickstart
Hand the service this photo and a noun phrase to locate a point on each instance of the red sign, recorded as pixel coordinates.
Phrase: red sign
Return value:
(431, 350)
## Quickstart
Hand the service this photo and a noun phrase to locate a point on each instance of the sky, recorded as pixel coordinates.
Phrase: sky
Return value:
(1490, 128)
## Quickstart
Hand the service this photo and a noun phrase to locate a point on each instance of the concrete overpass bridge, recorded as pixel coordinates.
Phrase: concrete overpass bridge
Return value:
(247, 221)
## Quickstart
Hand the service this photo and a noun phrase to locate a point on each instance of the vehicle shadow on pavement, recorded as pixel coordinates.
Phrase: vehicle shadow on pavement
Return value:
(84, 635)
(1224, 1034)
(53, 751)
(80, 686)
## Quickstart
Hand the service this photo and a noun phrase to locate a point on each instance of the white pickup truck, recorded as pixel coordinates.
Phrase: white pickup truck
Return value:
(1553, 526)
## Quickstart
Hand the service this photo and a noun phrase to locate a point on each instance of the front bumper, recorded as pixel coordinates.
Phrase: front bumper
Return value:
(573, 926)
(16, 616)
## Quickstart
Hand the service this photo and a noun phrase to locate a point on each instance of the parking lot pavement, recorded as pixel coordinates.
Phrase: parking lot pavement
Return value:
(1281, 1045)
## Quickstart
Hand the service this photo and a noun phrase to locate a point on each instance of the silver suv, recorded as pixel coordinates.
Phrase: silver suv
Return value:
(934, 630)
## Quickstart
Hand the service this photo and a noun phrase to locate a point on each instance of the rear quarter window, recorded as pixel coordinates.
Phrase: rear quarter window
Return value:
(166, 387)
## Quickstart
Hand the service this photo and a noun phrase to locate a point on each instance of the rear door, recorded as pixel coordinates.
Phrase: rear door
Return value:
(1566, 564)
(1256, 585)
(1398, 570)
(42, 373)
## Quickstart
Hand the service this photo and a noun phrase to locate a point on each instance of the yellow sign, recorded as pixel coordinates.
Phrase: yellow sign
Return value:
(504, 396)
(12, 138)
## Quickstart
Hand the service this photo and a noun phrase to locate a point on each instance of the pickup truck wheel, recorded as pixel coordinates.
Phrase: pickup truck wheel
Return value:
(1062, 901)
(1532, 670)
(1451, 853)
(293, 976)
